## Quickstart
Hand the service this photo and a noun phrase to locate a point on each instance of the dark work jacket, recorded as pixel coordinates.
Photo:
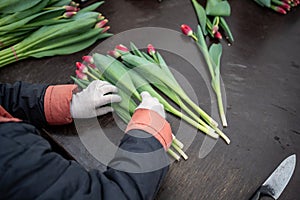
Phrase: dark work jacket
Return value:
(29, 169)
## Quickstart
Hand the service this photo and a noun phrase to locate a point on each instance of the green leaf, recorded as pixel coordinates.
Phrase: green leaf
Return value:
(56, 31)
(78, 82)
(17, 24)
(217, 8)
(114, 70)
(65, 50)
(201, 15)
(11, 18)
(92, 7)
(149, 58)
(121, 112)
(215, 52)
(135, 50)
(85, 15)
(59, 3)
(266, 3)
(226, 28)
(201, 40)
(17, 6)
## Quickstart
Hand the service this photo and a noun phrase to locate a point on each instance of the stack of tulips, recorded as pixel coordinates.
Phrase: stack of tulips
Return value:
(212, 18)
(41, 28)
(134, 71)
(280, 6)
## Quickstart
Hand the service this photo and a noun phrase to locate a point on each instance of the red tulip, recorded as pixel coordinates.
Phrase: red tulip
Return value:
(278, 9)
(69, 14)
(151, 49)
(186, 30)
(218, 35)
(81, 75)
(114, 53)
(106, 28)
(121, 47)
(286, 6)
(70, 8)
(88, 59)
(81, 67)
(101, 24)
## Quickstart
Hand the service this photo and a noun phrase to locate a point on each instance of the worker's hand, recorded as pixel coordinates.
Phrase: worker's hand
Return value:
(93, 100)
(151, 103)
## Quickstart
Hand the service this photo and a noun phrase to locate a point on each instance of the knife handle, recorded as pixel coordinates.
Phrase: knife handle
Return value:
(262, 191)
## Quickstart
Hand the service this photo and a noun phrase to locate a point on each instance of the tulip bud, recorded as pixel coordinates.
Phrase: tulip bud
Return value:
(114, 54)
(106, 28)
(215, 29)
(278, 9)
(218, 35)
(101, 24)
(88, 59)
(286, 6)
(70, 8)
(151, 49)
(69, 14)
(186, 30)
(121, 47)
(81, 67)
(81, 75)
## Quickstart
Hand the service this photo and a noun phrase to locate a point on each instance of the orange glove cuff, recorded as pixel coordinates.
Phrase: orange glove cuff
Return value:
(151, 122)
(57, 104)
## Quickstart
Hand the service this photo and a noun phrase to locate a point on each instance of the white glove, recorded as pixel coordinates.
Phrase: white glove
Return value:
(91, 101)
(151, 103)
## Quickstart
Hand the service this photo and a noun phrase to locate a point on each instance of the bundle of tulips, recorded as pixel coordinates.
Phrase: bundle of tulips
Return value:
(280, 6)
(211, 19)
(39, 28)
(134, 71)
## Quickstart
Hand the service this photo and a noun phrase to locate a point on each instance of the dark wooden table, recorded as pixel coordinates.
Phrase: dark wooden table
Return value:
(261, 77)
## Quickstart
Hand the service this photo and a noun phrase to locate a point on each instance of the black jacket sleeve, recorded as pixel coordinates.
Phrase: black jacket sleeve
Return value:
(24, 101)
(30, 170)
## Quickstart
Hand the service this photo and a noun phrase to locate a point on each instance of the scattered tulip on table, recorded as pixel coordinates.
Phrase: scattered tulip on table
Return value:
(212, 18)
(212, 57)
(134, 71)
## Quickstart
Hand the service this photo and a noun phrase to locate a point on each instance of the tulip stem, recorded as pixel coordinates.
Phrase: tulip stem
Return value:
(185, 157)
(173, 154)
(194, 37)
(91, 75)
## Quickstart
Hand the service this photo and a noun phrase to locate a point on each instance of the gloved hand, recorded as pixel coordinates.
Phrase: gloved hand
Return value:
(91, 101)
(151, 103)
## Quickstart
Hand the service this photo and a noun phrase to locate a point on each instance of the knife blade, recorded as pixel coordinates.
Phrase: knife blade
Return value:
(278, 180)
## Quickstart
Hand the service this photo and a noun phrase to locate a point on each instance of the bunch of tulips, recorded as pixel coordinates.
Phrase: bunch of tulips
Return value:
(134, 71)
(280, 6)
(41, 28)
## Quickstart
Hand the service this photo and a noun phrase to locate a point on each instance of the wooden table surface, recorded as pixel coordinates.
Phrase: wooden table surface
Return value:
(260, 72)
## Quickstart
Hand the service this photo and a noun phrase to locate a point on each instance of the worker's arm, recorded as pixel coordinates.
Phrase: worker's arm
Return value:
(30, 170)
(41, 104)
(24, 101)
